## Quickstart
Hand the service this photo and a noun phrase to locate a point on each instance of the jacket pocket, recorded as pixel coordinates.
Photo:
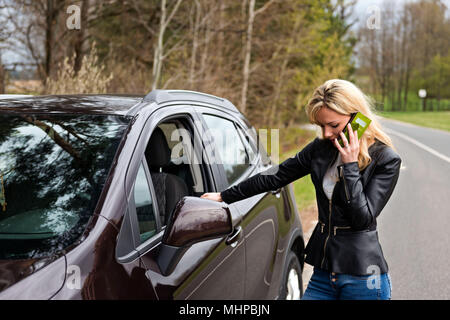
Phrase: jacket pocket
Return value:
(351, 233)
(336, 228)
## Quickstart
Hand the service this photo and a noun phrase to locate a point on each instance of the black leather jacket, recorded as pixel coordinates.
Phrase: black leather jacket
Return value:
(345, 239)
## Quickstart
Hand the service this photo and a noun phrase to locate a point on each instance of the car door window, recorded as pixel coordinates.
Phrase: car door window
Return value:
(231, 151)
(144, 206)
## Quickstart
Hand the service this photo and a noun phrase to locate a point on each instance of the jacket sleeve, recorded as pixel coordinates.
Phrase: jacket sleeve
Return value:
(365, 204)
(273, 178)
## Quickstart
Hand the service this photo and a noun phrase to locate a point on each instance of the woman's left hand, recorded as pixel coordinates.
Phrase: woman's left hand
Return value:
(350, 151)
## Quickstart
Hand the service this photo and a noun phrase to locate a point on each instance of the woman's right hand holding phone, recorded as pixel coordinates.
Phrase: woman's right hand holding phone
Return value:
(350, 151)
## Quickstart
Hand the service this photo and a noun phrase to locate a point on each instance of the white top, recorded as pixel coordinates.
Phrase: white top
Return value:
(331, 177)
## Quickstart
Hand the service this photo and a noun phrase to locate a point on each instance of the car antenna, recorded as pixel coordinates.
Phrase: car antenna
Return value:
(2, 194)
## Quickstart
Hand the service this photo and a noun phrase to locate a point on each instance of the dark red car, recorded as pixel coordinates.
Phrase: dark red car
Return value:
(99, 199)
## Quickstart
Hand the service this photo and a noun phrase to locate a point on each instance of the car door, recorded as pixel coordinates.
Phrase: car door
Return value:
(264, 216)
(209, 269)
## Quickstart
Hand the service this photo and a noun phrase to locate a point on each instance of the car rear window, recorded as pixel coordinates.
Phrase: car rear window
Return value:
(52, 171)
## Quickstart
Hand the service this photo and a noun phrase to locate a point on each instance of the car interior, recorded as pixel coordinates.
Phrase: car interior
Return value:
(170, 154)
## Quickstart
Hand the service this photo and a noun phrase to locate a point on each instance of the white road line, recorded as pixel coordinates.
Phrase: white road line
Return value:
(417, 143)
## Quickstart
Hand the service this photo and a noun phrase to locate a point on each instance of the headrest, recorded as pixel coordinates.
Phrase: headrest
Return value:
(157, 152)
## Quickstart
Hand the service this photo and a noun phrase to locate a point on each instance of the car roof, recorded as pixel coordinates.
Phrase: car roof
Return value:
(189, 97)
(107, 104)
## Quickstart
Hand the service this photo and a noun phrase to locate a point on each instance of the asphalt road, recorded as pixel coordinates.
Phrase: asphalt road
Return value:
(414, 227)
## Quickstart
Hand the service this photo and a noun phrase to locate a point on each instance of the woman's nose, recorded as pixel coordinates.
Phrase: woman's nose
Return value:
(327, 133)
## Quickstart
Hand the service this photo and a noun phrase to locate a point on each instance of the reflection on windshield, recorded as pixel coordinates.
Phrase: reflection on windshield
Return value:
(53, 169)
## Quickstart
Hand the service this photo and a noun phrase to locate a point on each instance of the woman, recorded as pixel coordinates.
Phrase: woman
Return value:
(353, 184)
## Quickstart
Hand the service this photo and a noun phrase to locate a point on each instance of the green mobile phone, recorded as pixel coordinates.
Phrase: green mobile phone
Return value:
(359, 122)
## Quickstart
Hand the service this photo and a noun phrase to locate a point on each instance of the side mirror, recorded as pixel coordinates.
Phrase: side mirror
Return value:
(193, 220)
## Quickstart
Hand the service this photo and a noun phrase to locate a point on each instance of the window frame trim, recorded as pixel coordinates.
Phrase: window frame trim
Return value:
(153, 195)
(131, 215)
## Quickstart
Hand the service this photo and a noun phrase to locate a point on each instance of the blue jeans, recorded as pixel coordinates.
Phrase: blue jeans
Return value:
(330, 286)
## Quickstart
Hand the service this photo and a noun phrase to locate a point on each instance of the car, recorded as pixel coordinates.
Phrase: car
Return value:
(100, 199)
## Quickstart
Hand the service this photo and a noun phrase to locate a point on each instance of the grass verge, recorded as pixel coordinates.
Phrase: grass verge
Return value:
(431, 119)
(292, 140)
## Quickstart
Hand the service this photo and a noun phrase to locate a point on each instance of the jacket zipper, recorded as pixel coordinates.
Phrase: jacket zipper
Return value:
(345, 184)
(329, 232)
(329, 222)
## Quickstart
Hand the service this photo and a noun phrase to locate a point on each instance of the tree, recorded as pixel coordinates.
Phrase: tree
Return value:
(397, 57)
(82, 35)
(302, 49)
(252, 13)
(37, 25)
(159, 56)
(2, 68)
(39, 33)
(266, 56)
(436, 78)
(2, 76)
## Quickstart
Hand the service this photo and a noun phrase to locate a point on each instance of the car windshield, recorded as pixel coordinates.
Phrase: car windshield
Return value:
(52, 171)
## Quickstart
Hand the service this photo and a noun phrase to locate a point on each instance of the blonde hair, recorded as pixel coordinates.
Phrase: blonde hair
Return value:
(345, 98)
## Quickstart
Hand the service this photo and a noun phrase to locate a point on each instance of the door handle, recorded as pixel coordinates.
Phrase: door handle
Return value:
(276, 193)
(232, 238)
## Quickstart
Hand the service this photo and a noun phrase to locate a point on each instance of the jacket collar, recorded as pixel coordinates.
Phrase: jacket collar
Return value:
(325, 155)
